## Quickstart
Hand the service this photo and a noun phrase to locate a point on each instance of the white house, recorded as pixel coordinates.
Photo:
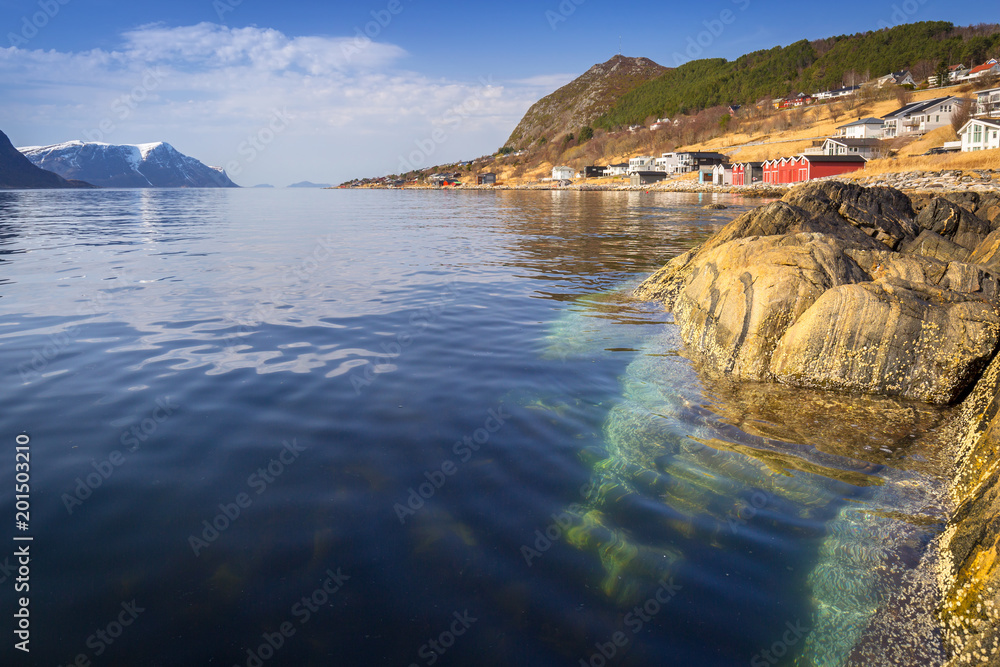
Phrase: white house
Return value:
(955, 72)
(688, 162)
(980, 134)
(837, 93)
(989, 68)
(921, 117)
(900, 78)
(722, 174)
(562, 173)
(641, 163)
(988, 103)
(660, 124)
(862, 128)
(666, 163)
(866, 148)
(619, 169)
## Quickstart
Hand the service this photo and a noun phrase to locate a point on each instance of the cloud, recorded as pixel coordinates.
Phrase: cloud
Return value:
(208, 89)
(261, 49)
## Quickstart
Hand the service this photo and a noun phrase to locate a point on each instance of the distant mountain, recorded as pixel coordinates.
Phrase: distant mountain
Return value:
(156, 165)
(582, 101)
(307, 184)
(263, 185)
(16, 171)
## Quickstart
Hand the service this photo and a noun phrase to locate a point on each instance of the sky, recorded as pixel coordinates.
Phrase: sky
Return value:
(299, 90)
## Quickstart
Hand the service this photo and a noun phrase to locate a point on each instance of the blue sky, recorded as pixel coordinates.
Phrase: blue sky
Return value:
(282, 92)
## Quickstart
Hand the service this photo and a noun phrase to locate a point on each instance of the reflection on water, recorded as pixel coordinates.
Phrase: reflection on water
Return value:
(487, 425)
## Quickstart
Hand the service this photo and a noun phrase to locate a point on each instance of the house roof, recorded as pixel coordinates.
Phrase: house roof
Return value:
(952, 68)
(855, 143)
(834, 158)
(988, 65)
(750, 164)
(984, 121)
(916, 107)
(703, 154)
(863, 121)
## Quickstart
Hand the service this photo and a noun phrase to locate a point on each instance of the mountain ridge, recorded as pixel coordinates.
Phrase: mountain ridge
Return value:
(148, 165)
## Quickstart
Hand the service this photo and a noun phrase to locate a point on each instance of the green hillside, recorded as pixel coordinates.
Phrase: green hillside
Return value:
(804, 66)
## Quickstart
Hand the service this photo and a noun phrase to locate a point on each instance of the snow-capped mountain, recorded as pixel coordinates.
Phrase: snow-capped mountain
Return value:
(157, 165)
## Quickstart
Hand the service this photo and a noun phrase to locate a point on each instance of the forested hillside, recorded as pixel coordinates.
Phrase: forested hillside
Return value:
(805, 67)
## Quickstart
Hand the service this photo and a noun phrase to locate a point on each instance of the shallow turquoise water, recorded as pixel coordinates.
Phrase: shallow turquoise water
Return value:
(442, 407)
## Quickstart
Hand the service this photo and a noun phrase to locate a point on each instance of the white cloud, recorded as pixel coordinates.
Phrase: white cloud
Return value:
(208, 89)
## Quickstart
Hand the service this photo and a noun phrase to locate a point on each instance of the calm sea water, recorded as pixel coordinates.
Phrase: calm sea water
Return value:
(396, 428)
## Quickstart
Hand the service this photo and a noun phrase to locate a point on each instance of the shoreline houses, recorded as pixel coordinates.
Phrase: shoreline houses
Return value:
(641, 163)
(683, 163)
(562, 173)
(748, 173)
(802, 168)
(921, 117)
(867, 148)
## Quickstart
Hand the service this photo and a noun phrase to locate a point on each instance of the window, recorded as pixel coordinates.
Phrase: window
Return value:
(977, 134)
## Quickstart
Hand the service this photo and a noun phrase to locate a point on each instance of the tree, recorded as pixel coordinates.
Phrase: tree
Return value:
(923, 69)
(903, 95)
(962, 114)
(942, 74)
(586, 133)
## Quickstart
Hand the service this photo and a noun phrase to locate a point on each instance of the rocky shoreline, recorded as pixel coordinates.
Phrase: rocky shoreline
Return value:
(979, 180)
(870, 292)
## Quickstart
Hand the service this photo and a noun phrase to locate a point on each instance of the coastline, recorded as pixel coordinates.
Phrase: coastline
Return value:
(881, 276)
(929, 182)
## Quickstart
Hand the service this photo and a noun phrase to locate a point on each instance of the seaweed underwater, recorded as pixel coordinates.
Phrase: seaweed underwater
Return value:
(706, 448)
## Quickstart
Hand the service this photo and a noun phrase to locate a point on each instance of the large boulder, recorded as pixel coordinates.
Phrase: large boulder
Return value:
(933, 245)
(954, 223)
(987, 253)
(842, 287)
(738, 299)
(885, 214)
(891, 337)
(986, 205)
(866, 218)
